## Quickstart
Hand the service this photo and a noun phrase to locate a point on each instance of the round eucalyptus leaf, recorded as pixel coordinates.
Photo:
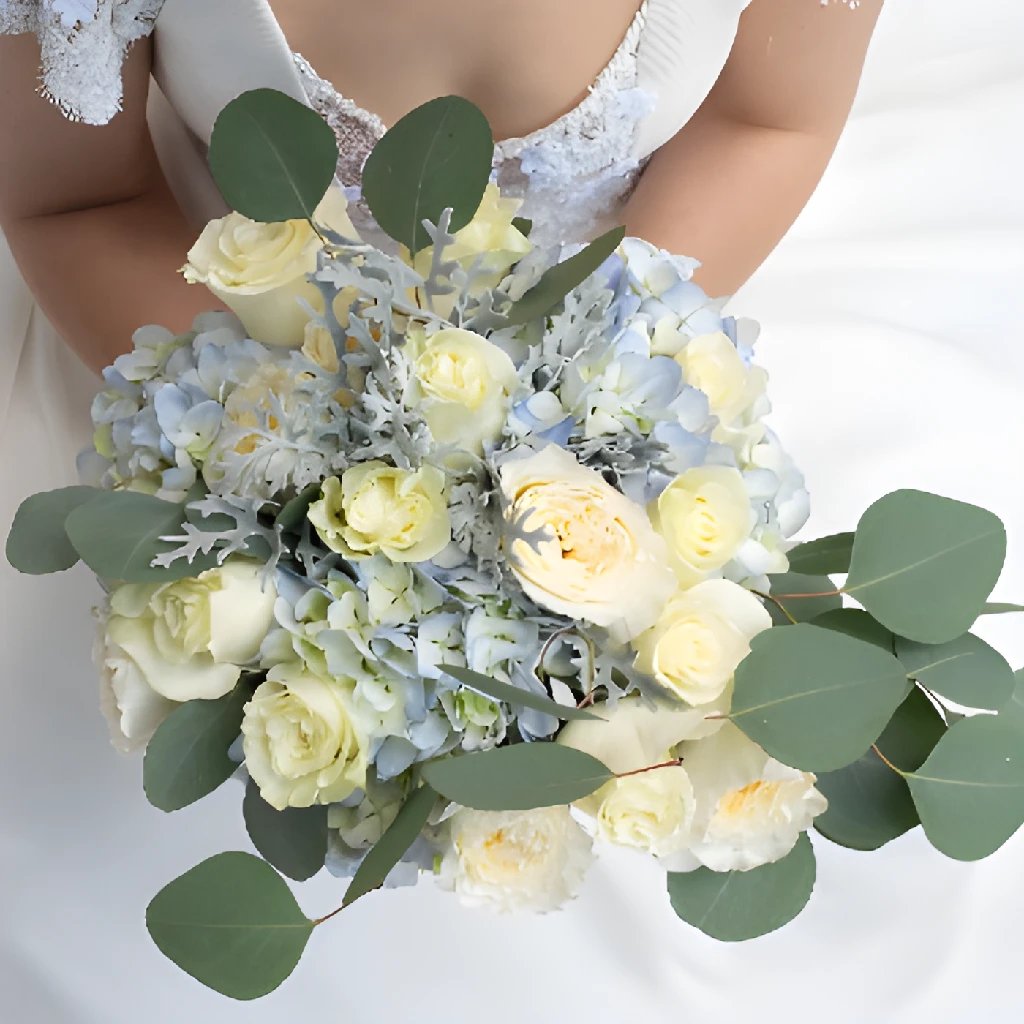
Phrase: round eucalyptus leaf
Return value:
(232, 923)
(1013, 710)
(187, 757)
(970, 792)
(517, 778)
(868, 803)
(734, 906)
(924, 565)
(515, 695)
(38, 543)
(560, 279)
(293, 840)
(118, 534)
(814, 698)
(857, 623)
(272, 157)
(785, 585)
(966, 670)
(823, 556)
(437, 157)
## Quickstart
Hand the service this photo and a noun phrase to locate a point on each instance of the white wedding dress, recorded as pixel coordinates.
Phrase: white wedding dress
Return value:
(892, 320)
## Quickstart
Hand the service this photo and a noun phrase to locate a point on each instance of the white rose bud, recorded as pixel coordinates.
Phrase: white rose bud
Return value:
(303, 744)
(515, 860)
(260, 271)
(179, 641)
(601, 560)
(702, 635)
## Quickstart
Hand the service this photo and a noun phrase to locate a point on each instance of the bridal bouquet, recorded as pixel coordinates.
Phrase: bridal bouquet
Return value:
(468, 555)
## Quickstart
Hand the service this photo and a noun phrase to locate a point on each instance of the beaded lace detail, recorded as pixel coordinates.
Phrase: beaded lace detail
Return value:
(572, 175)
(83, 45)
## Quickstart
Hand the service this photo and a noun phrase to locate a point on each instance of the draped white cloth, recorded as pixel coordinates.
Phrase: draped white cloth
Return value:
(892, 319)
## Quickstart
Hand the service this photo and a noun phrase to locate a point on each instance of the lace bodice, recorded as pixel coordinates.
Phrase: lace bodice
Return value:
(571, 175)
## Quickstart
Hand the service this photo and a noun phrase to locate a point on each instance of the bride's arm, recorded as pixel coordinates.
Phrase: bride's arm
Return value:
(729, 185)
(87, 213)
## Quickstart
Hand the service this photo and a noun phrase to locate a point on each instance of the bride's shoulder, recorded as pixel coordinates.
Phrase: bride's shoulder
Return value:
(82, 44)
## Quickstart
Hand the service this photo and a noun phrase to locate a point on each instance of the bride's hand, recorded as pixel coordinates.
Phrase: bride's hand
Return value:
(87, 213)
(730, 184)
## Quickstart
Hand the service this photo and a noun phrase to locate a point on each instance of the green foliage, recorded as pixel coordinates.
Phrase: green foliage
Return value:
(802, 609)
(38, 543)
(560, 279)
(924, 565)
(734, 906)
(824, 556)
(966, 670)
(513, 694)
(970, 792)
(293, 840)
(118, 534)
(815, 698)
(857, 623)
(868, 803)
(519, 777)
(272, 157)
(437, 157)
(392, 845)
(293, 513)
(232, 923)
(187, 758)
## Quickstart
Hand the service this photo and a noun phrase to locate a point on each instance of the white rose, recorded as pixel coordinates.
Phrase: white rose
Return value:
(260, 271)
(705, 516)
(750, 808)
(515, 860)
(654, 810)
(465, 383)
(601, 560)
(303, 745)
(702, 635)
(187, 639)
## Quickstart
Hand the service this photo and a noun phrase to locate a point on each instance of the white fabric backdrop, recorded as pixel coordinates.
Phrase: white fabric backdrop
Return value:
(893, 333)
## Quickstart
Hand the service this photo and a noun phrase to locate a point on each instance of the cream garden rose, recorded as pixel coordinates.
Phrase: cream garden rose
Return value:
(303, 744)
(259, 271)
(515, 860)
(374, 507)
(705, 516)
(599, 558)
(701, 636)
(464, 383)
(750, 808)
(179, 641)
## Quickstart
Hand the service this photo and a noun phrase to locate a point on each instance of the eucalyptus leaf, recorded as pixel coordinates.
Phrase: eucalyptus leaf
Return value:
(1001, 608)
(523, 225)
(437, 157)
(857, 623)
(823, 556)
(293, 514)
(187, 757)
(560, 279)
(734, 906)
(232, 923)
(868, 803)
(924, 565)
(803, 609)
(38, 543)
(392, 845)
(966, 670)
(517, 778)
(293, 840)
(814, 698)
(500, 691)
(117, 534)
(970, 791)
(273, 158)
(1013, 710)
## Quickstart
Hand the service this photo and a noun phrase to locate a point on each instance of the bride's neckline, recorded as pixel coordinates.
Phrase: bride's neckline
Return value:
(623, 56)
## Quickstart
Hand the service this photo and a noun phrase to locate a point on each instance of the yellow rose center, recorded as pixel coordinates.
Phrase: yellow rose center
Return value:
(182, 627)
(450, 373)
(690, 649)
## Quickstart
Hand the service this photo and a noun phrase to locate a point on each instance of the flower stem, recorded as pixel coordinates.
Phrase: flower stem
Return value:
(674, 763)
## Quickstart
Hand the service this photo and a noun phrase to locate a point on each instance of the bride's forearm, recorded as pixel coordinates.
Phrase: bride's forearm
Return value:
(104, 271)
(725, 193)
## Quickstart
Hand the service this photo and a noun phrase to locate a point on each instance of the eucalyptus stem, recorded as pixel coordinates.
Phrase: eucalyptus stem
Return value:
(778, 604)
(676, 762)
(886, 761)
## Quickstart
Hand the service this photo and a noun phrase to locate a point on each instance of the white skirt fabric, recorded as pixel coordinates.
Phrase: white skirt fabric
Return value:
(893, 334)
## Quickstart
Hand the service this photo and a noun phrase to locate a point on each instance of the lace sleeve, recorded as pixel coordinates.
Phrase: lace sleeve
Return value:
(83, 45)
